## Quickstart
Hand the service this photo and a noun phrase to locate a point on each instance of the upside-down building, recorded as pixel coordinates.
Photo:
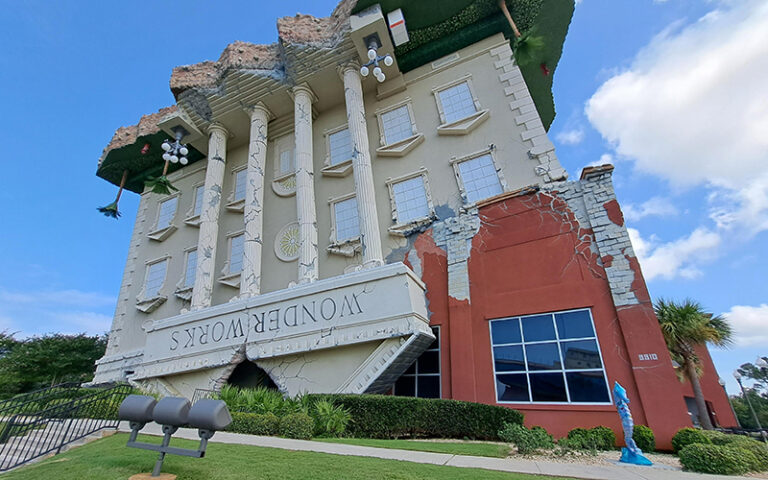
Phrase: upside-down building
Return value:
(408, 232)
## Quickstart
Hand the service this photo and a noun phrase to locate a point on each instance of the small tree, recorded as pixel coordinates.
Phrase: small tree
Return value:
(686, 326)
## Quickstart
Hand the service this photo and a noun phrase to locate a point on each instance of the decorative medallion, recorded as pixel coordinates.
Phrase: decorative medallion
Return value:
(287, 242)
(286, 186)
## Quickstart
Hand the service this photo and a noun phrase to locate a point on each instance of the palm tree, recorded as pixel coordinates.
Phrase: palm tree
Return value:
(686, 326)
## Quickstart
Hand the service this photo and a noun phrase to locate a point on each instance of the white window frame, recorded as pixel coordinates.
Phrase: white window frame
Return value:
(284, 183)
(436, 331)
(455, 162)
(150, 304)
(464, 125)
(184, 291)
(233, 204)
(562, 370)
(350, 246)
(160, 234)
(401, 147)
(227, 277)
(192, 218)
(404, 228)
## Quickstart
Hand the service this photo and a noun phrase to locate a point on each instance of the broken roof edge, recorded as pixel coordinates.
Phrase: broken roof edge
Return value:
(128, 135)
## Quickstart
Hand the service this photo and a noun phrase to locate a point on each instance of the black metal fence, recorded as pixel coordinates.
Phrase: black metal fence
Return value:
(43, 422)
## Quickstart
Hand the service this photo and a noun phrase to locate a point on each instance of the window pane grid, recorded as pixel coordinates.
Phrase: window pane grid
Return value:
(347, 221)
(565, 383)
(340, 146)
(198, 200)
(457, 102)
(480, 178)
(155, 279)
(397, 125)
(236, 254)
(191, 268)
(286, 161)
(167, 211)
(419, 383)
(240, 178)
(410, 199)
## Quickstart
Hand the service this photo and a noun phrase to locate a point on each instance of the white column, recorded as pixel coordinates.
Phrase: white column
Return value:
(250, 279)
(370, 237)
(305, 187)
(209, 217)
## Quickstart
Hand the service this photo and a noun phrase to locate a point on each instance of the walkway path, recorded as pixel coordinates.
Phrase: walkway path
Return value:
(538, 467)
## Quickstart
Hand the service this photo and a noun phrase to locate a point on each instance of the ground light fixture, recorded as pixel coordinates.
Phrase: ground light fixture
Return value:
(737, 376)
(373, 61)
(207, 415)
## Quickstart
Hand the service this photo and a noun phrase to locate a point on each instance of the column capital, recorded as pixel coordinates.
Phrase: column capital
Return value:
(345, 67)
(218, 127)
(251, 110)
(303, 88)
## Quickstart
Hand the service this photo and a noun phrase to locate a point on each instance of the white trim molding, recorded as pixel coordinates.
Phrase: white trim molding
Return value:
(146, 304)
(160, 234)
(406, 228)
(342, 168)
(228, 278)
(455, 161)
(464, 125)
(401, 147)
(348, 247)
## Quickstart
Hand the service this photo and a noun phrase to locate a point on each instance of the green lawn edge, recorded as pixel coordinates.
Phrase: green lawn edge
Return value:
(475, 449)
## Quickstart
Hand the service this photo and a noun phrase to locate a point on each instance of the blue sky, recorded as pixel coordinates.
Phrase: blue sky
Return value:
(674, 93)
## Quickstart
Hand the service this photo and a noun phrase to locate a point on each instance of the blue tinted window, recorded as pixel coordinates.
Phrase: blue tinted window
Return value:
(587, 387)
(581, 354)
(505, 331)
(512, 388)
(548, 387)
(574, 324)
(543, 356)
(538, 328)
(509, 358)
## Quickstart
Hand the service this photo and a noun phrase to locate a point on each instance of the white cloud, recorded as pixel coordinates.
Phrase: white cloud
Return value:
(570, 137)
(678, 258)
(750, 324)
(653, 207)
(693, 109)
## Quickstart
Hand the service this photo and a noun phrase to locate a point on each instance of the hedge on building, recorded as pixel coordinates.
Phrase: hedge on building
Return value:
(716, 459)
(385, 416)
(688, 436)
(644, 438)
(526, 440)
(596, 438)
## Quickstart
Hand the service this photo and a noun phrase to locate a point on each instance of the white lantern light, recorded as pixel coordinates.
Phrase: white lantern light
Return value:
(376, 72)
(381, 77)
(174, 159)
(165, 146)
(371, 54)
(183, 150)
(388, 60)
(166, 156)
(183, 160)
(364, 71)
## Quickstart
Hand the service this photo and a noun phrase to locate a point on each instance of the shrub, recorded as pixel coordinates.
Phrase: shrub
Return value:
(758, 449)
(330, 420)
(527, 441)
(566, 446)
(387, 416)
(297, 425)
(717, 459)
(644, 438)
(254, 423)
(688, 436)
(597, 438)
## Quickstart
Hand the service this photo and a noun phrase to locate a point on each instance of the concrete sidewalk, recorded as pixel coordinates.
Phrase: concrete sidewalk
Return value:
(538, 467)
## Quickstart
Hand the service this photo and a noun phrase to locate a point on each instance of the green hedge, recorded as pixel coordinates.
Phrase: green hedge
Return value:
(644, 438)
(757, 448)
(254, 423)
(596, 438)
(297, 425)
(386, 416)
(716, 459)
(527, 441)
(689, 436)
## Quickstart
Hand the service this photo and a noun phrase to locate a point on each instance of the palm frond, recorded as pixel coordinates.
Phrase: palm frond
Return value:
(527, 47)
(110, 210)
(160, 185)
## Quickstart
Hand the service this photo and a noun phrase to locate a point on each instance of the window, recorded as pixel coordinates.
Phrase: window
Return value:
(340, 146)
(410, 199)
(190, 269)
(155, 278)
(422, 379)
(457, 102)
(478, 178)
(346, 220)
(240, 178)
(287, 161)
(166, 213)
(396, 125)
(236, 254)
(552, 358)
(198, 208)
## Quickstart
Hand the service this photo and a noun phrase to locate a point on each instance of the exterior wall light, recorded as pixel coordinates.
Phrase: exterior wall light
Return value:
(373, 60)
(176, 152)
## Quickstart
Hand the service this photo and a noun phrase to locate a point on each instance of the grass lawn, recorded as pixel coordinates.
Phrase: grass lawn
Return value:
(454, 448)
(109, 459)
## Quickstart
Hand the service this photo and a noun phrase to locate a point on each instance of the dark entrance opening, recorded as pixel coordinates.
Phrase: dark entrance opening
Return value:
(249, 375)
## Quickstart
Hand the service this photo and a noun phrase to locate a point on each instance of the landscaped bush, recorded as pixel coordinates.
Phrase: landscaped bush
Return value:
(297, 425)
(385, 416)
(330, 420)
(717, 459)
(644, 438)
(527, 441)
(254, 423)
(597, 438)
(689, 436)
(260, 400)
(758, 449)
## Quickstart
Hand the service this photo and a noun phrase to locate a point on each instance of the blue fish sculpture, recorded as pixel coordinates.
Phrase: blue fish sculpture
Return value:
(631, 453)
